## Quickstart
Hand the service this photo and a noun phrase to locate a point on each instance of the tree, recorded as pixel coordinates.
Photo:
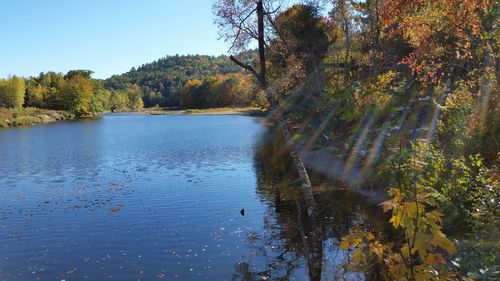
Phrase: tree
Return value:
(34, 94)
(81, 72)
(134, 94)
(218, 91)
(12, 92)
(188, 93)
(76, 94)
(236, 24)
(302, 34)
(51, 83)
(118, 101)
(342, 15)
(301, 43)
(443, 33)
(100, 101)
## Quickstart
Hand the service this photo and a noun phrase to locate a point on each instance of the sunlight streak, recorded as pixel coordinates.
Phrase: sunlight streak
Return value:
(349, 164)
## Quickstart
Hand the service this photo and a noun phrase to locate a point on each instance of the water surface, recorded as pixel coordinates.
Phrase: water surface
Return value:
(136, 197)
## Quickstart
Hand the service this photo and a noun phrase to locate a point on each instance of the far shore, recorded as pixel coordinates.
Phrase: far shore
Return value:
(16, 117)
(248, 111)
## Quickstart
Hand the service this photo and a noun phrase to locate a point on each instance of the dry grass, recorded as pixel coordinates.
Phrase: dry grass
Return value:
(13, 117)
(209, 111)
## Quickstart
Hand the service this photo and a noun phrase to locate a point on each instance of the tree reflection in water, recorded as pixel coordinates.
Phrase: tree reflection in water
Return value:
(292, 247)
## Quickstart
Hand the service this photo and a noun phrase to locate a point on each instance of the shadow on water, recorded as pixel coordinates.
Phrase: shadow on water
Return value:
(291, 246)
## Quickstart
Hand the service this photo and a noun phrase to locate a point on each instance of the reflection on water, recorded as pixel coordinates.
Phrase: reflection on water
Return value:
(291, 246)
(131, 197)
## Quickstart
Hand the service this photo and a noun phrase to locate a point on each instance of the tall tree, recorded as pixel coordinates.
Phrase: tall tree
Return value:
(236, 24)
(134, 93)
(342, 15)
(300, 44)
(12, 92)
(76, 95)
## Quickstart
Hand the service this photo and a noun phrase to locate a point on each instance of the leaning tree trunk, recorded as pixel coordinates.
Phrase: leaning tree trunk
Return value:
(301, 169)
(306, 184)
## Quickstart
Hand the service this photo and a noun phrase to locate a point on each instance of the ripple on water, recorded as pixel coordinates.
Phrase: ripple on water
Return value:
(145, 197)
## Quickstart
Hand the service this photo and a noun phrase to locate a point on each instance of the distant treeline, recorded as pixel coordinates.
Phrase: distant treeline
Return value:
(186, 81)
(163, 81)
(75, 92)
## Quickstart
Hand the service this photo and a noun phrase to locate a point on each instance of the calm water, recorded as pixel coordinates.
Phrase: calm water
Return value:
(133, 197)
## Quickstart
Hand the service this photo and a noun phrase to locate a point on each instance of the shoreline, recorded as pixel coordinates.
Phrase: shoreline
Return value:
(245, 111)
(326, 162)
(30, 116)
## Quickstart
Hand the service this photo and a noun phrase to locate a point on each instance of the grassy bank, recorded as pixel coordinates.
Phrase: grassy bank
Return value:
(251, 111)
(13, 117)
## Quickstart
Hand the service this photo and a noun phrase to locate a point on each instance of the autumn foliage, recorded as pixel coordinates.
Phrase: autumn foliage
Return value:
(219, 91)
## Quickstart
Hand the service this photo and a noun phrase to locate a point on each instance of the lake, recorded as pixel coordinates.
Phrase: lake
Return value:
(139, 197)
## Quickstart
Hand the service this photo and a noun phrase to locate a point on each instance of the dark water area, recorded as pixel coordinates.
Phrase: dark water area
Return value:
(136, 197)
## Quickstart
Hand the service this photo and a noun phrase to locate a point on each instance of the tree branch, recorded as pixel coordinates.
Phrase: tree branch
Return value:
(245, 66)
(241, 26)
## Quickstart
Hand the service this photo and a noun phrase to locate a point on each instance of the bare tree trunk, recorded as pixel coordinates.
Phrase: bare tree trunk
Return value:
(262, 51)
(347, 55)
(345, 22)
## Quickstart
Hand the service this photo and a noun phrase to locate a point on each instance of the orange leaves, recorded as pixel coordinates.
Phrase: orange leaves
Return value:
(440, 31)
(435, 260)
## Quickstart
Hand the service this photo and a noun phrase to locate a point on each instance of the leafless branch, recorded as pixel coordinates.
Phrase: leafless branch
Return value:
(245, 66)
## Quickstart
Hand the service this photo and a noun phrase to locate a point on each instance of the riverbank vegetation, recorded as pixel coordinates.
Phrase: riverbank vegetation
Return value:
(220, 91)
(187, 82)
(13, 117)
(402, 96)
(75, 93)
(398, 97)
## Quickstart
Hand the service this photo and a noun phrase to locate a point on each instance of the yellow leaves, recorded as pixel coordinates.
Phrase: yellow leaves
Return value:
(419, 254)
(421, 245)
(435, 216)
(345, 243)
(440, 240)
(370, 236)
(396, 194)
(350, 241)
(378, 93)
(387, 205)
(424, 198)
(384, 80)
(377, 249)
(411, 209)
(367, 250)
(397, 217)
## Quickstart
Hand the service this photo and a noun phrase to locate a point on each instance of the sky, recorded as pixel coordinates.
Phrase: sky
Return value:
(105, 36)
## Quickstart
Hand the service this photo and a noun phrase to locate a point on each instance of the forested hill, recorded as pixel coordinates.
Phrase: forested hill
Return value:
(162, 80)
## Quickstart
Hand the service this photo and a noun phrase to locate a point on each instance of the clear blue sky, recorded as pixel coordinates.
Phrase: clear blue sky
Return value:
(106, 36)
